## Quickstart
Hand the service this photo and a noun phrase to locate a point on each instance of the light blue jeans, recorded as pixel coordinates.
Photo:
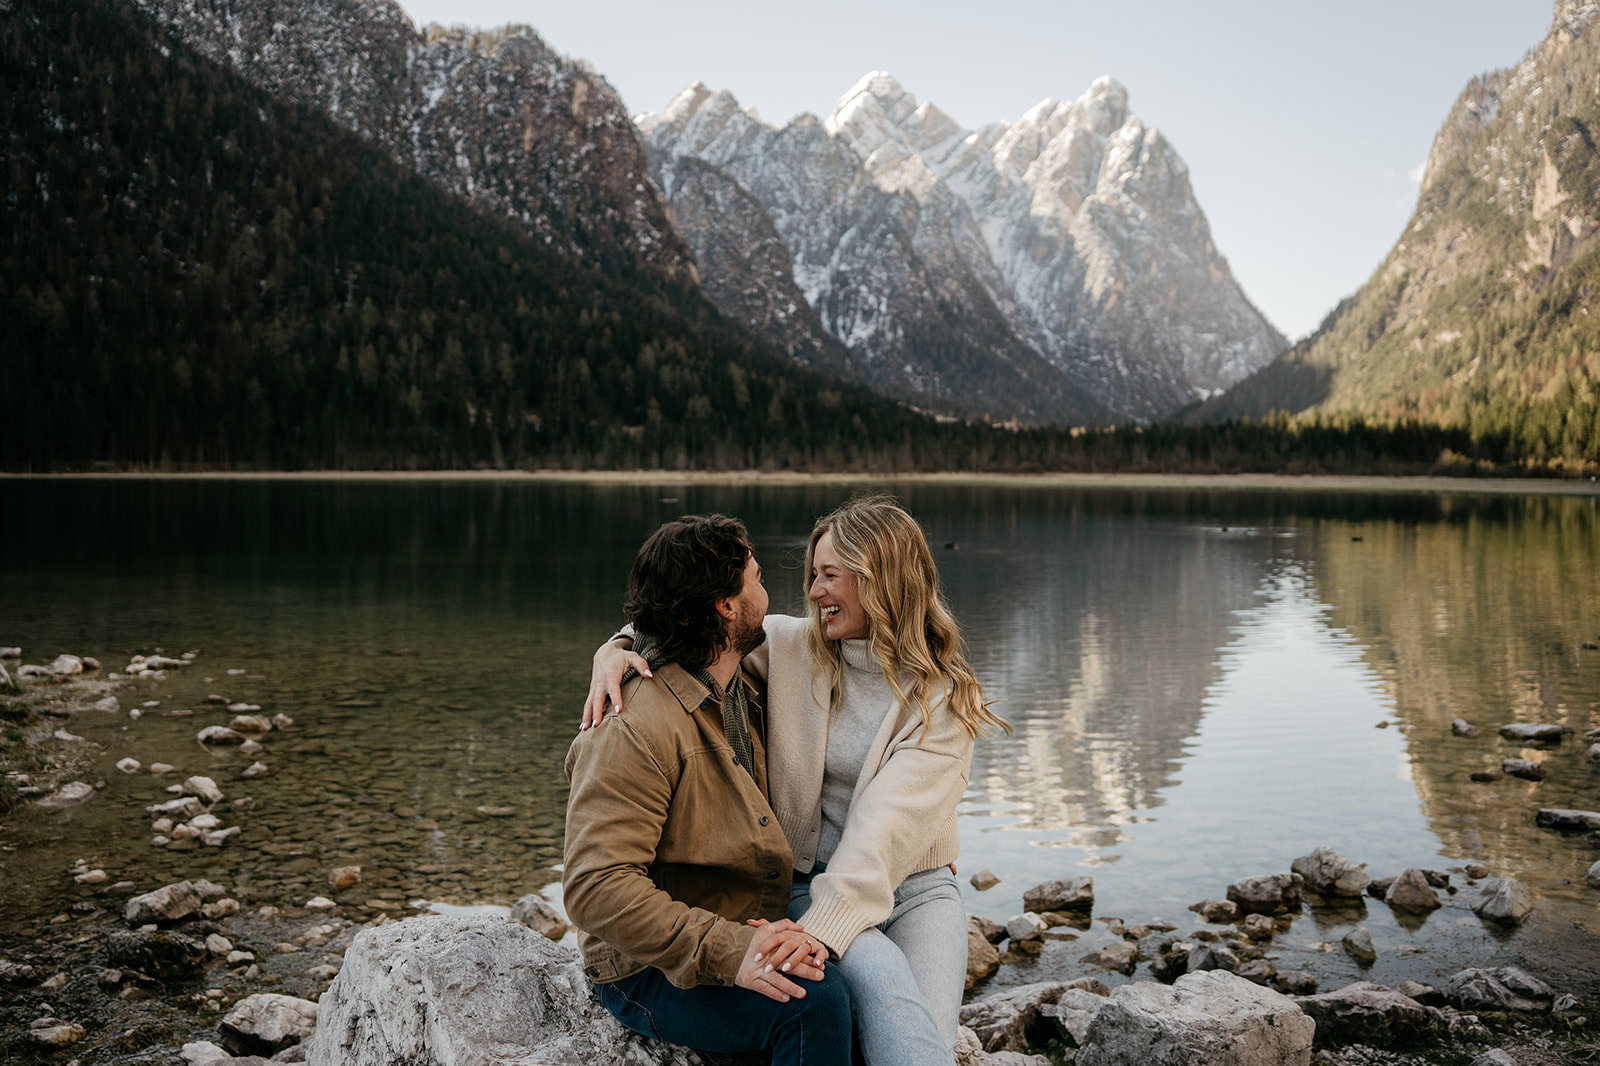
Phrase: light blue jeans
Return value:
(906, 974)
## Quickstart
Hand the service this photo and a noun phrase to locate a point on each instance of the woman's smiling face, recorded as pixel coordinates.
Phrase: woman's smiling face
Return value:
(836, 593)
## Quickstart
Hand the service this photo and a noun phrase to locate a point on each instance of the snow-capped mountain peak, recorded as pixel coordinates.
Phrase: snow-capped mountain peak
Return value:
(1073, 227)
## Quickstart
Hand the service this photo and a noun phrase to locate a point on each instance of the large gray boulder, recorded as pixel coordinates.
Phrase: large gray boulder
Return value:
(1009, 1020)
(1504, 989)
(1366, 1013)
(1211, 1018)
(465, 990)
(266, 1023)
(1328, 873)
(1267, 894)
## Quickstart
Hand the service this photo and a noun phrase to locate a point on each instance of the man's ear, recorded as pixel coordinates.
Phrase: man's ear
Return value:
(724, 607)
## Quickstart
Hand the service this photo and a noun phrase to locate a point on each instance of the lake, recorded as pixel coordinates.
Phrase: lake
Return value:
(1205, 684)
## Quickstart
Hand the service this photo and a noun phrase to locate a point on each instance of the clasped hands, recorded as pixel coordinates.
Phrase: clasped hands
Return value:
(785, 951)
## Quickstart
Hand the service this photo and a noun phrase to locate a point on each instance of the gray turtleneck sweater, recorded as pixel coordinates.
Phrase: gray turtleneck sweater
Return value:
(865, 699)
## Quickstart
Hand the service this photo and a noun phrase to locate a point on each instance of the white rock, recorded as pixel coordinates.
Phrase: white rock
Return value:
(186, 807)
(1025, 926)
(1593, 876)
(108, 703)
(62, 734)
(221, 908)
(1209, 1018)
(204, 788)
(250, 723)
(236, 958)
(160, 840)
(320, 903)
(538, 914)
(92, 877)
(256, 769)
(66, 665)
(218, 837)
(135, 714)
(161, 825)
(267, 1022)
(282, 721)
(204, 821)
(10, 653)
(129, 766)
(219, 734)
(159, 768)
(170, 903)
(465, 989)
(68, 795)
(218, 944)
(205, 1053)
(251, 746)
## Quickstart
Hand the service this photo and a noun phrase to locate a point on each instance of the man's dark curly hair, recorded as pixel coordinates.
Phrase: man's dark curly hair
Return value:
(680, 573)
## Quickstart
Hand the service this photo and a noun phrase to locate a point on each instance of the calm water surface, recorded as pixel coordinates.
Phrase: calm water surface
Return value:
(1197, 680)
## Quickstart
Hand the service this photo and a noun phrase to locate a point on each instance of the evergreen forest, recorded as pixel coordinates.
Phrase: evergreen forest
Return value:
(199, 275)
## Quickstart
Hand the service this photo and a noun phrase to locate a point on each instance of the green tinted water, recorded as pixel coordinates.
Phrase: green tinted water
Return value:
(1196, 678)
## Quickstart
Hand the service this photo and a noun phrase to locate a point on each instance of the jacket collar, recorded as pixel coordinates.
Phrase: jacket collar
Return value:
(688, 690)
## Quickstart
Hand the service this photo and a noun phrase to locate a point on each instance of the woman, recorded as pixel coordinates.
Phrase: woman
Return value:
(872, 713)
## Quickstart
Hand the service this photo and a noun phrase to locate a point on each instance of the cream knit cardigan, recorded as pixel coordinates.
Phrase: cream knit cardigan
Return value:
(903, 812)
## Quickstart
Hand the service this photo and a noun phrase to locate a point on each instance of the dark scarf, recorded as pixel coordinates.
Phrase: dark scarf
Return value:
(734, 703)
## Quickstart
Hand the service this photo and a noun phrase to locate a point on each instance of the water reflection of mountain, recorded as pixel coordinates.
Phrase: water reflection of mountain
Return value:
(1097, 625)
(1480, 615)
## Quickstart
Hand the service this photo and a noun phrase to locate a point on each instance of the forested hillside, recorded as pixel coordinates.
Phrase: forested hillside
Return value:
(1486, 313)
(195, 273)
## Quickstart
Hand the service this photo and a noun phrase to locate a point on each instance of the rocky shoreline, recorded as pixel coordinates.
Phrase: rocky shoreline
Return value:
(202, 973)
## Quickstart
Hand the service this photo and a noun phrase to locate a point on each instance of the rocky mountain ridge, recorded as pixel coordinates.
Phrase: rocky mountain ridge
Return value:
(498, 117)
(1070, 237)
(1480, 315)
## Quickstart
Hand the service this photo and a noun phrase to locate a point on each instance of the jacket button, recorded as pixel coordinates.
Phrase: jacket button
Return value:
(764, 819)
(772, 875)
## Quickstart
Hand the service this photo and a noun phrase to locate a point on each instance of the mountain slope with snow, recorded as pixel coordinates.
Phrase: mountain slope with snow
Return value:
(1066, 247)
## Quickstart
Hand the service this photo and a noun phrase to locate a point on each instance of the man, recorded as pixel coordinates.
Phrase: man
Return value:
(675, 863)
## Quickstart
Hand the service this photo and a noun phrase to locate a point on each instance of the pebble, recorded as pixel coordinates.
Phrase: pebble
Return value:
(218, 944)
(1593, 876)
(55, 983)
(203, 788)
(135, 714)
(251, 746)
(53, 1032)
(237, 957)
(1523, 768)
(985, 879)
(282, 721)
(217, 838)
(160, 841)
(1476, 871)
(256, 769)
(92, 877)
(204, 821)
(323, 903)
(250, 723)
(1463, 728)
(159, 768)
(1359, 944)
(343, 877)
(222, 908)
(161, 825)
(129, 766)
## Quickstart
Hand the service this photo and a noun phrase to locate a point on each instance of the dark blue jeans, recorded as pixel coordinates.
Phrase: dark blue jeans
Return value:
(813, 1030)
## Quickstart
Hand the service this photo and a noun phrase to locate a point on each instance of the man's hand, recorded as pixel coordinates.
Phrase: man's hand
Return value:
(605, 679)
(782, 950)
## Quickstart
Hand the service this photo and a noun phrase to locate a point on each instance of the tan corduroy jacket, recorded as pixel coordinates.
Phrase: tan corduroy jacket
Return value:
(671, 845)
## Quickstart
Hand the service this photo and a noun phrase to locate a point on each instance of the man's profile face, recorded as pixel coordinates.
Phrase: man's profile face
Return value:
(745, 634)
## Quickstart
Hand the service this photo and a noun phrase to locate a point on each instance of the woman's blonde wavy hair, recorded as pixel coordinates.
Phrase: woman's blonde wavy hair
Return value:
(911, 632)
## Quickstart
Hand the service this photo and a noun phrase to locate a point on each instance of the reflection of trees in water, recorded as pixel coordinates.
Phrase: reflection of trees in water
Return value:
(1100, 635)
(1480, 616)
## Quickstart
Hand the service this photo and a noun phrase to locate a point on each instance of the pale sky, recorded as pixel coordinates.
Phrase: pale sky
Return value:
(1303, 125)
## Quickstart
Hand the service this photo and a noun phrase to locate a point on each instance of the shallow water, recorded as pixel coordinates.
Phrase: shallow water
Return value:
(1196, 679)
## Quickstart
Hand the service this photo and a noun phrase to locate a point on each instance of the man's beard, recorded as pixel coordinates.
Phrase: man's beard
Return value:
(746, 635)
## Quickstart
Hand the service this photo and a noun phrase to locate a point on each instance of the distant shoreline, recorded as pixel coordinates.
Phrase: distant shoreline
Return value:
(1229, 482)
